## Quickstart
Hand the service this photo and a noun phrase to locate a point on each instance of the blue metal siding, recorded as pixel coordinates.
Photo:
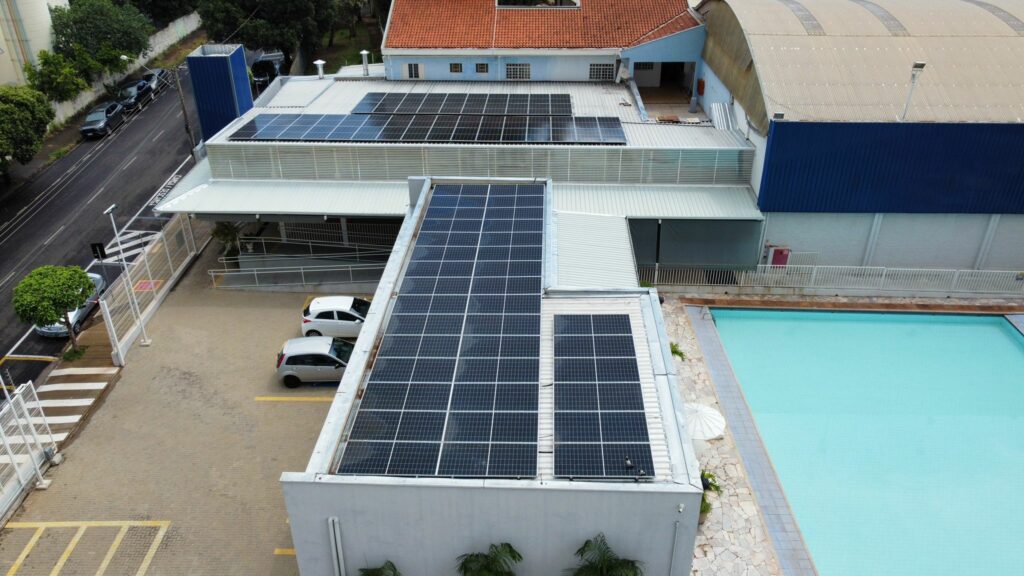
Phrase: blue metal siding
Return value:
(240, 78)
(220, 85)
(893, 167)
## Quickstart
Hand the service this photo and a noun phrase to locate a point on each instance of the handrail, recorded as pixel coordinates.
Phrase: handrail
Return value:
(297, 275)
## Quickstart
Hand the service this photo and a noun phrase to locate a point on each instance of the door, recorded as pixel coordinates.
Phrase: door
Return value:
(329, 369)
(348, 325)
(304, 367)
(325, 324)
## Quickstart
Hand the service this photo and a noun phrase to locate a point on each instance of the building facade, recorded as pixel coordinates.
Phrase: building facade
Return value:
(25, 29)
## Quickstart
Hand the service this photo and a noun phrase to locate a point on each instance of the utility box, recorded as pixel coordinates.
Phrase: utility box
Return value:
(220, 84)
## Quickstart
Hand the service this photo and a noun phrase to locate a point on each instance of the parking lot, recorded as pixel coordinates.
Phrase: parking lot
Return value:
(177, 472)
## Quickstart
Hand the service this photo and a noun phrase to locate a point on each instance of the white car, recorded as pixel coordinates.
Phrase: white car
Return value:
(340, 316)
(321, 359)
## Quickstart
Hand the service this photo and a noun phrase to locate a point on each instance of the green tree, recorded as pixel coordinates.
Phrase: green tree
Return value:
(48, 293)
(93, 34)
(497, 561)
(25, 114)
(386, 569)
(55, 76)
(163, 12)
(598, 559)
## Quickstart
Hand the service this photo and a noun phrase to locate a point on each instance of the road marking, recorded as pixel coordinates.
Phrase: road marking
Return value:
(54, 235)
(178, 115)
(111, 551)
(6, 278)
(125, 167)
(51, 420)
(294, 398)
(100, 370)
(27, 358)
(98, 192)
(152, 550)
(25, 551)
(65, 402)
(91, 524)
(284, 551)
(19, 440)
(71, 387)
(157, 137)
(67, 551)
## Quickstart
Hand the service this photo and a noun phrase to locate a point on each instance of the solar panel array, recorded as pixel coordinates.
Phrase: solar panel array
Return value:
(455, 103)
(438, 128)
(453, 390)
(600, 423)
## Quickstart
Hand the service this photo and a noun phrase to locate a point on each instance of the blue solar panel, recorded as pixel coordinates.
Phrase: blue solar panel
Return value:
(600, 423)
(457, 370)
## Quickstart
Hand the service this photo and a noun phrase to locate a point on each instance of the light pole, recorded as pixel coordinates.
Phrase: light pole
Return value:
(181, 100)
(915, 71)
(133, 303)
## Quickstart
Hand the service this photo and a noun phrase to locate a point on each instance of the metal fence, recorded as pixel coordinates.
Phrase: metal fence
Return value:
(843, 278)
(297, 275)
(137, 293)
(26, 446)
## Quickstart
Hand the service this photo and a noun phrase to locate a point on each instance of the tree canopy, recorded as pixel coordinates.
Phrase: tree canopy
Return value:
(48, 293)
(25, 114)
(163, 12)
(598, 559)
(499, 560)
(55, 76)
(93, 34)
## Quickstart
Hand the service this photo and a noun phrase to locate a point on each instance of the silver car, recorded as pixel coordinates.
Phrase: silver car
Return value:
(313, 359)
(76, 317)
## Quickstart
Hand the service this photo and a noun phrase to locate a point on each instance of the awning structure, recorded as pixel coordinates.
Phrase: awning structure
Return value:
(593, 250)
(654, 201)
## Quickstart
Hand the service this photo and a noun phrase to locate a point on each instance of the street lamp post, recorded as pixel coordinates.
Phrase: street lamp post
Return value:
(181, 100)
(133, 303)
(915, 71)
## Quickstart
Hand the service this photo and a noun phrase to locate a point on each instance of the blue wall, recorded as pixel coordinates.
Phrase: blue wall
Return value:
(220, 85)
(893, 167)
(682, 46)
(542, 68)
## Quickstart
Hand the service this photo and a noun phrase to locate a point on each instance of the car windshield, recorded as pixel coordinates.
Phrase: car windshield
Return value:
(95, 115)
(342, 349)
(361, 306)
(148, 77)
(129, 91)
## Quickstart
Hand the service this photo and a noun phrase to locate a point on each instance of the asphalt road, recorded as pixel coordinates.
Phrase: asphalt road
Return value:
(53, 218)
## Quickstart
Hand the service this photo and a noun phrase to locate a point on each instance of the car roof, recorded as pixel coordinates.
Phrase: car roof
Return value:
(309, 345)
(331, 303)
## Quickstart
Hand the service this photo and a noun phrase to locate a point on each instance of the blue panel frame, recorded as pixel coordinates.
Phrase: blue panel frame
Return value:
(968, 168)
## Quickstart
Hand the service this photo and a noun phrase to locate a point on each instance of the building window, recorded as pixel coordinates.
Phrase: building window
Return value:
(455, 68)
(517, 71)
(643, 66)
(481, 68)
(604, 72)
(414, 71)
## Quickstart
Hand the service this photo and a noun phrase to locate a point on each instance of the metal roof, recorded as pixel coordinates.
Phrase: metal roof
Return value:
(593, 251)
(856, 65)
(651, 201)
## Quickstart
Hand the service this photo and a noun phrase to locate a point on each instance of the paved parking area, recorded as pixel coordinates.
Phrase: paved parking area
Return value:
(177, 471)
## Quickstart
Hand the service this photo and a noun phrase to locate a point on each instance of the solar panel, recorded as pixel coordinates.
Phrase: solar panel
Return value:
(600, 423)
(464, 128)
(458, 103)
(453, 391)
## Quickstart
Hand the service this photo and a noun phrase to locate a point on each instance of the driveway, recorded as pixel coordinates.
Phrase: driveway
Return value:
(177, 472)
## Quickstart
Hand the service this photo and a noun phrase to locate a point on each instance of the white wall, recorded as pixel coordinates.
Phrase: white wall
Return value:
(1007, 249)
(929, 240)
(424, 525)
(840, 239)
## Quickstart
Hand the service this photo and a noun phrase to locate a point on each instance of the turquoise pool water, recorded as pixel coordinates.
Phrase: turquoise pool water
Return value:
(898, 438)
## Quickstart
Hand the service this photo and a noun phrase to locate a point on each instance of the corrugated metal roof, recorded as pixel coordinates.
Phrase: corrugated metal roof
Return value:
(593, 251)
(296, 197)
(670, 202)
(859, 70)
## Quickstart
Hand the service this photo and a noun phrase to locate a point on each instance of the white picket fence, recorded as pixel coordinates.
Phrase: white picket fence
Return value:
(858, 279)
(26, 446)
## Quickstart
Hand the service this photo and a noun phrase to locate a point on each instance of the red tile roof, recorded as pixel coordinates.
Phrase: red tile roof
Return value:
(480, 24)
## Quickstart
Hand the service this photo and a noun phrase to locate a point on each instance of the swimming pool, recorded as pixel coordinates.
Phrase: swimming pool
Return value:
(898, 438)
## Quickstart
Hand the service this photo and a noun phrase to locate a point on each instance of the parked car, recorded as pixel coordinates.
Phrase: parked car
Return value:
(320, 359)
(334, 316)
(135, 94)
(102, 120)
(158, 79)
(76, 317)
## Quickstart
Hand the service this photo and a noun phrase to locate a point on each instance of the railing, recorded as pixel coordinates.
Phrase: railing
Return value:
(857, 278)
(259, 244)
(26, 446)
(297, 275)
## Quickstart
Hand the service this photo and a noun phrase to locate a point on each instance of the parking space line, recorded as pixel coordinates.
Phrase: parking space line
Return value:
(25, 551)
(111, 551)
(284, 551)
(67, 551)
(294, 398)
(144, 567)
(91, 524)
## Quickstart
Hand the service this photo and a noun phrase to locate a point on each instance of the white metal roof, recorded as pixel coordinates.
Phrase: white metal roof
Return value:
(593, 251)
(653, 201)
(850, 61)
(292, 197)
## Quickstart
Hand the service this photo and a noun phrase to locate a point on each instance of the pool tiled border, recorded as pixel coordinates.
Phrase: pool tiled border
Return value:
(790, 549)
(1017, 320)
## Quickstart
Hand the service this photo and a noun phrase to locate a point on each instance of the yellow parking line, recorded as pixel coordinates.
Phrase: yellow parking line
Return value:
(112, 550)
(25, 552)
(152, 549)
(294, 398)
(28, 358)
(89, 524)
(67, 551)
(284, 551)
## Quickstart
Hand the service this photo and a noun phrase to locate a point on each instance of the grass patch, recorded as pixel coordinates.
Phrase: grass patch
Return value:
(72, 354)
(345, 51)
(176, 53)
(645, 284)
(61, 152)
(677, 351)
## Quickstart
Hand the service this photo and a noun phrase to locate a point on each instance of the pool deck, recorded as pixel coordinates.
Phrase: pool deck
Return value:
(1017, 320)
(999, 306)
(791, 551)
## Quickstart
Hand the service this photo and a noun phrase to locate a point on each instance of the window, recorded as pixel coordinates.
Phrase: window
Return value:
(643, 66)
(325, 316)
(481, 68)
(604, 72)
(517, 71)
(321, 360)
(300, 360)
(455, 68)
(414, 71)
(346, 317)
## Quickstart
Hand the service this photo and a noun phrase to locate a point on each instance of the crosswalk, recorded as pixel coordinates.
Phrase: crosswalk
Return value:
(133, 242)
(68, 395)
